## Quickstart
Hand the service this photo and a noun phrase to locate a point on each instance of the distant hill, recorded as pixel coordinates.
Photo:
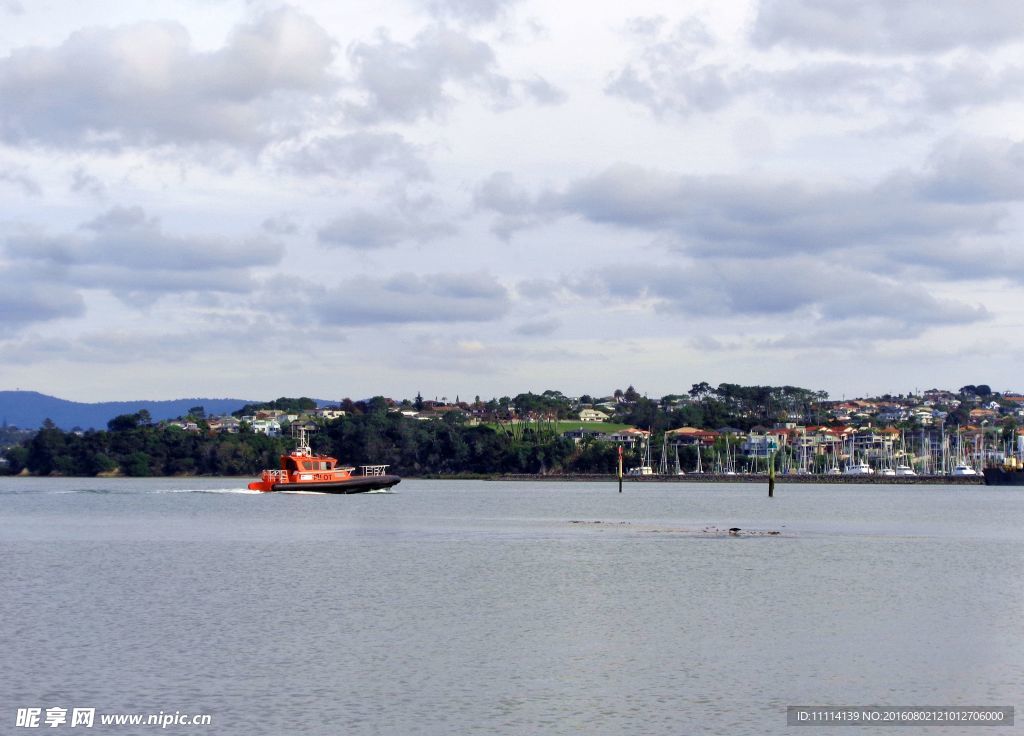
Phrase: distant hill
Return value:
(29, 409)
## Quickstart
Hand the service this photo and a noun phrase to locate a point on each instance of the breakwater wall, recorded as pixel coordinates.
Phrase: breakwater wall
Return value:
(899, 480)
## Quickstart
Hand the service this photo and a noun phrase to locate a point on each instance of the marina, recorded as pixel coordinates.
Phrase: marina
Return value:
(801, 479)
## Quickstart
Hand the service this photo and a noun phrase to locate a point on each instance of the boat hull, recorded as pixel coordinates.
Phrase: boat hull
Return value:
(352, 484)
(1002, 477)
(355, 484)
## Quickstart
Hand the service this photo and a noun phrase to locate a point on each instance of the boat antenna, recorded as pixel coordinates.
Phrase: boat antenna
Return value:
(301, 436)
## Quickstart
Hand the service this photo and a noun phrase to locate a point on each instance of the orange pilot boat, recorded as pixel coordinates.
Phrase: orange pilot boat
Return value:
(301, 470)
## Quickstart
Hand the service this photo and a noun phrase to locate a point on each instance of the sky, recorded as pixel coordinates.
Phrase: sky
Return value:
(462, 198)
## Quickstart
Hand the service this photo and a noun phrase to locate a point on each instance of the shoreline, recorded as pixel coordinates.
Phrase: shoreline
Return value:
(611, 478)
(954, 480)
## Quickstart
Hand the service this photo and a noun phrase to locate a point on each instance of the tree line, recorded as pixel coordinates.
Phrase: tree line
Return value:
(134, 446)
(371, 433)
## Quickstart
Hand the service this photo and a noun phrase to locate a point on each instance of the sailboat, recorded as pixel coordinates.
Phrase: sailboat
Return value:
(679, 468)
(833, 462)
(962, 467)
(855, 467)
(730, 460)
(645, 467)
(888, 464)
(904, 468)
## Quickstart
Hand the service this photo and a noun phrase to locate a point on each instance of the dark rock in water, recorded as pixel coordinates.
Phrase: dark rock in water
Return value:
(734, 530)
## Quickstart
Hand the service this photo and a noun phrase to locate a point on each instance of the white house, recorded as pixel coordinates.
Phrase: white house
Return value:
(269, 427)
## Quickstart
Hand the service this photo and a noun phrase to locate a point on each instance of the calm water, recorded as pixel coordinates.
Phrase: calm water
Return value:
(475, 607)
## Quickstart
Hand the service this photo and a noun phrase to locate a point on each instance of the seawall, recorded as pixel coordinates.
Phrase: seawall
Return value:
(763, 479)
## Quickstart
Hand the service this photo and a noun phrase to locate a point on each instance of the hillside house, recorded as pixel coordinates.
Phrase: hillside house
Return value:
(760, 445)
(629, 437)
(692, 436)
(231, 425)
(578, 435)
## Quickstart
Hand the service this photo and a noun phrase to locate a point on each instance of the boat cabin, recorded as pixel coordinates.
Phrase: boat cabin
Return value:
(295, 463)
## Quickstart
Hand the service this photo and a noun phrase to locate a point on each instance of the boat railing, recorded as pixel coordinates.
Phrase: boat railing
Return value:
(374, 469)
(277, 476)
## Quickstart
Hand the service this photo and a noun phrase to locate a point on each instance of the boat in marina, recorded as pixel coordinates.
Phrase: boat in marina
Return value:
(679, 468)
(645, 462)
(858, 468)
(904, 467)
(962, 469)
(302, 470)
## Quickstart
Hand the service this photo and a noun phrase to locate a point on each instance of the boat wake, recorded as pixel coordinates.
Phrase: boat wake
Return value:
(138, 491)
(206, 490)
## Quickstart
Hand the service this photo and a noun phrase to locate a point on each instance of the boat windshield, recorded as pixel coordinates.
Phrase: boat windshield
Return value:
(316, 465)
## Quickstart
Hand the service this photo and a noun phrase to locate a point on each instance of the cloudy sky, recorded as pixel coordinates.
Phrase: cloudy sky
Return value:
(482, 197)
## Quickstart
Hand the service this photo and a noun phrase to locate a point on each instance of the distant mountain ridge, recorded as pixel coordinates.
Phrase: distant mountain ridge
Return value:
(29, 409)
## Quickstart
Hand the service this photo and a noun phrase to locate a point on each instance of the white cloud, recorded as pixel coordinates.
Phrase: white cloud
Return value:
(20, 179)
(976, 171)
(127, 253)
(402, 218)
(84, 182)
(683, 72)
(404, 82)
(357, 152)
(470, 11)
(955, 203)
(26, 301)
(793, 179)
(879, 26)
(144, 84)
(538, 328)
(517, 208)
(409, 299)
(670, 72)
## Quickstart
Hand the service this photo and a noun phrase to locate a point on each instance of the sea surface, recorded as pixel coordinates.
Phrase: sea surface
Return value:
(506, 607)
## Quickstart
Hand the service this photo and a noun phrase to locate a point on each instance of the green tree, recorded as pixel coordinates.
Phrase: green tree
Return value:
(101, 463)
(125, 422)
(137, 465)
(48, 451)
(17, 459)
